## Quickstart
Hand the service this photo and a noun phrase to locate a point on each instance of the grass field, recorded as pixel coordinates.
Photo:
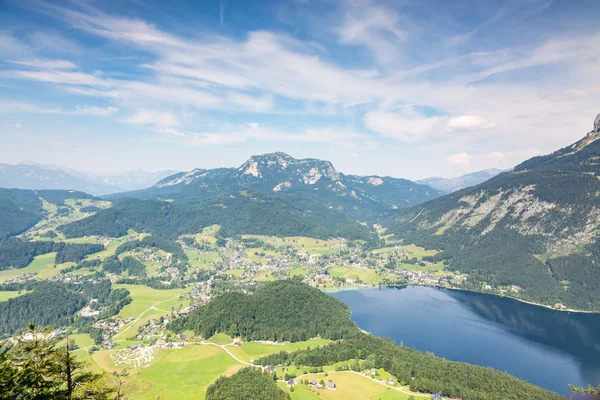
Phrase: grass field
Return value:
(42, 265)
(234, 272)
(349, 386)
(419, 252)
(298, 271)
(255, 350)
(147, 303)
(364, 274)
(10, 294)
(201, 260)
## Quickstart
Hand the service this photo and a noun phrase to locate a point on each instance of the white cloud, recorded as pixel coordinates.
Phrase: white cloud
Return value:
(469, 122)
(462, 159)
(45, 64)
(494, 159)
(152, 117)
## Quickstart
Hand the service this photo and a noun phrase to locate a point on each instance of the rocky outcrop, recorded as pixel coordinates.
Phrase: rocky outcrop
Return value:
(597, 124)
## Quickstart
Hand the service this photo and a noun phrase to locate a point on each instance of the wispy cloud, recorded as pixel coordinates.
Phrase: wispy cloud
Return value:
(25, 108)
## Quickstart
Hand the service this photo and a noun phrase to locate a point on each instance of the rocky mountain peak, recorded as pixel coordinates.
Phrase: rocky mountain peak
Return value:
(279, 162)
(597, 124)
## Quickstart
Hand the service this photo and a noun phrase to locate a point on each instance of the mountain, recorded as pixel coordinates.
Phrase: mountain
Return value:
(280, 175)
(535, 228)
(449, 185)
(35, 176)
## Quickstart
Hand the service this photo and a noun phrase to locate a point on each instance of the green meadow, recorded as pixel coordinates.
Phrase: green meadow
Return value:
(364, 274)
(147, 304)
(10, 294)
(42, 265)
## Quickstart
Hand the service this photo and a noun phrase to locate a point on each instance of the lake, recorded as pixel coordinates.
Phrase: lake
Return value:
(546, 347)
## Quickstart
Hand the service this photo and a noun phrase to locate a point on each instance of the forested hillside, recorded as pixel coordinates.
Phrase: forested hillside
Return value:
(19, 210)
(241, 212)
(278, 311)
(532, 231)
(52, 304)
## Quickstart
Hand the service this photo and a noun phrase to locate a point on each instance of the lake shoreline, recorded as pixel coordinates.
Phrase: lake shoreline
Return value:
(354, 287)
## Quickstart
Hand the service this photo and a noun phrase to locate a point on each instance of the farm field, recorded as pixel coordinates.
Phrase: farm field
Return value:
(42, 265)
(349, 386)
(253, 350)
(147, 303)
(364, 274)
(201, 260)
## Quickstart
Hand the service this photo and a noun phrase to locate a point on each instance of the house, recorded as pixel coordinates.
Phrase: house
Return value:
(252, 361)
(313, 383)
(270, 368)
(390, 381)
(236, 342)
(319, 386)
(436, 396)
(330, 385)
(373, 371)
(290, 382)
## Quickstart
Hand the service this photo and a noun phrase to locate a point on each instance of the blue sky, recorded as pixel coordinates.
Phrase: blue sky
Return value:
(407, 88)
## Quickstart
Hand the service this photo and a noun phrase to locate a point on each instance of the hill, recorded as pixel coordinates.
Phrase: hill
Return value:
(279, 311)
(449, 185)
(278, 174)
(532, 233)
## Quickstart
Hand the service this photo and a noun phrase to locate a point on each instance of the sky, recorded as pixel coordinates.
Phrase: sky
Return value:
(403, 88)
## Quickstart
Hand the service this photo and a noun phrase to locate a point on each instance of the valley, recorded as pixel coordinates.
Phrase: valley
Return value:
(157, 285)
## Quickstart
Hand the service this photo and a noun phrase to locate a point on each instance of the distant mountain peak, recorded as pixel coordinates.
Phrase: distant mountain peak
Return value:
(597, 124)
(310, 169)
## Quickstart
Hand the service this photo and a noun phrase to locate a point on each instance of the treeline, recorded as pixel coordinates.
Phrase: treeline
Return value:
(129, 264)
(17, 253)
(54, 304)
(278, 311)
(246, 384)
(423, 372)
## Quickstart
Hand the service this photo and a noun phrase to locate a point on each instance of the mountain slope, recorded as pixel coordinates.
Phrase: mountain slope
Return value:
(279, 174)
(21, 209)
(536, 227)
(453, 184)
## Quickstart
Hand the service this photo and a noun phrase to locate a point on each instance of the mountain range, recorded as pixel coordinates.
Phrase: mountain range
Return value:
(31, 175)
(532, 232)
(280, 175)
(449, 185)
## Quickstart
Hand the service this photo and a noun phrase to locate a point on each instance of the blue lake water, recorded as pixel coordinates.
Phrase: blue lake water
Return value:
(546, 347)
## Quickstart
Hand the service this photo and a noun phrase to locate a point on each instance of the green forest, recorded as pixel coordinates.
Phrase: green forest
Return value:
(17, 253)
(246, 384)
